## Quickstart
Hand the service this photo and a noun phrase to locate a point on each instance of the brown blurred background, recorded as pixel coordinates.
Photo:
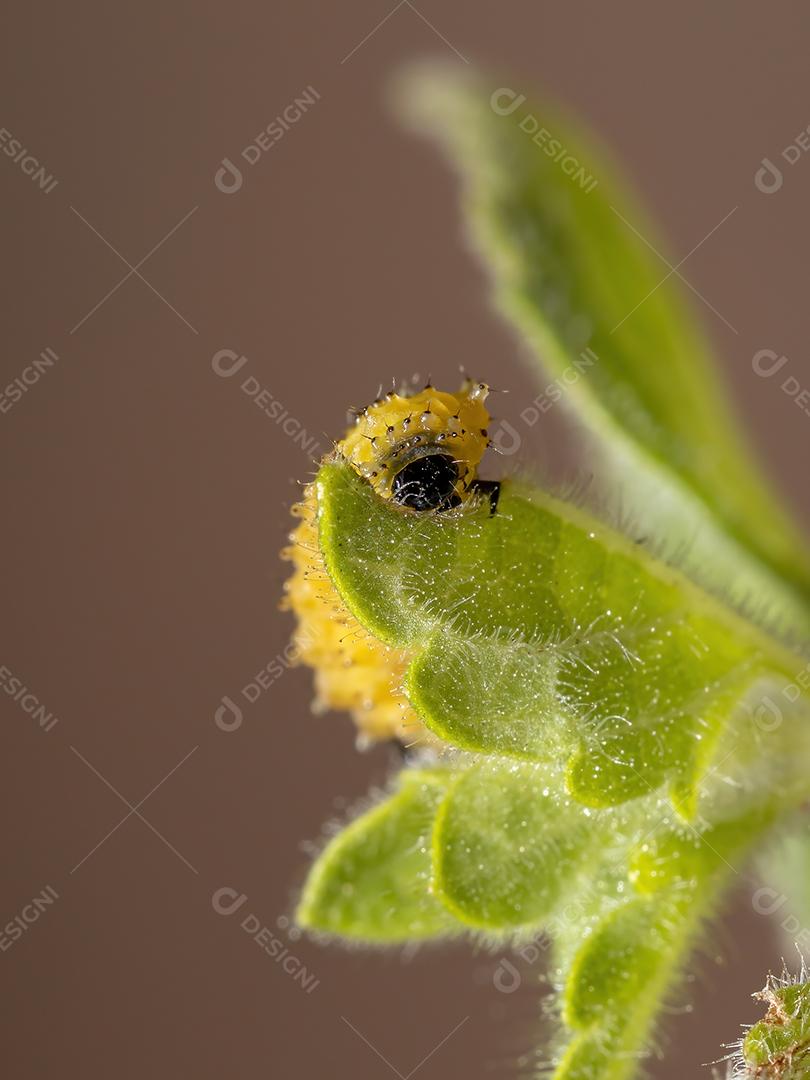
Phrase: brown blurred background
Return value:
(146, 497)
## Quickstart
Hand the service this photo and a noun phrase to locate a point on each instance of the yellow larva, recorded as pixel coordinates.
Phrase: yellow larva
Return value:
(420, 451)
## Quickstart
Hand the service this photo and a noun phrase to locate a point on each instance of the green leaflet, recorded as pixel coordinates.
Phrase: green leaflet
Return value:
(507, 847)
(572, 274)
(371, 883)
(616, 981)
(540, 634)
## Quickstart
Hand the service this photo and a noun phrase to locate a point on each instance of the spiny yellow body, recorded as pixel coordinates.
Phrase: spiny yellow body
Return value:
(389, 446)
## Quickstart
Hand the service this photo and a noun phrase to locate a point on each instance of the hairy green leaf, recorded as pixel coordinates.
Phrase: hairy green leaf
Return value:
(616, 981)
(372, 882)
(539, 633)
(507, 845)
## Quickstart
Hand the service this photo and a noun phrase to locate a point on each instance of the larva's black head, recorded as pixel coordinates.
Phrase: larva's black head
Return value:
(427, 483)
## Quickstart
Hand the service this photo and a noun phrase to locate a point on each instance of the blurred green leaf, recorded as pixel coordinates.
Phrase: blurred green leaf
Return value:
(573, 267)
(676, 854)
(784, 890)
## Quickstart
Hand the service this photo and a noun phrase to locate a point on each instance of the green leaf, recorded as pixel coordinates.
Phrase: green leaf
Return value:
(616, 981)
(372, 881)
(572, 264)
(507, 846)
(540, 634)
(616, 963)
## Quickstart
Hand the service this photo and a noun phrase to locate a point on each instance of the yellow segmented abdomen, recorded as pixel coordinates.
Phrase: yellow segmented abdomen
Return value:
(353, 670)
